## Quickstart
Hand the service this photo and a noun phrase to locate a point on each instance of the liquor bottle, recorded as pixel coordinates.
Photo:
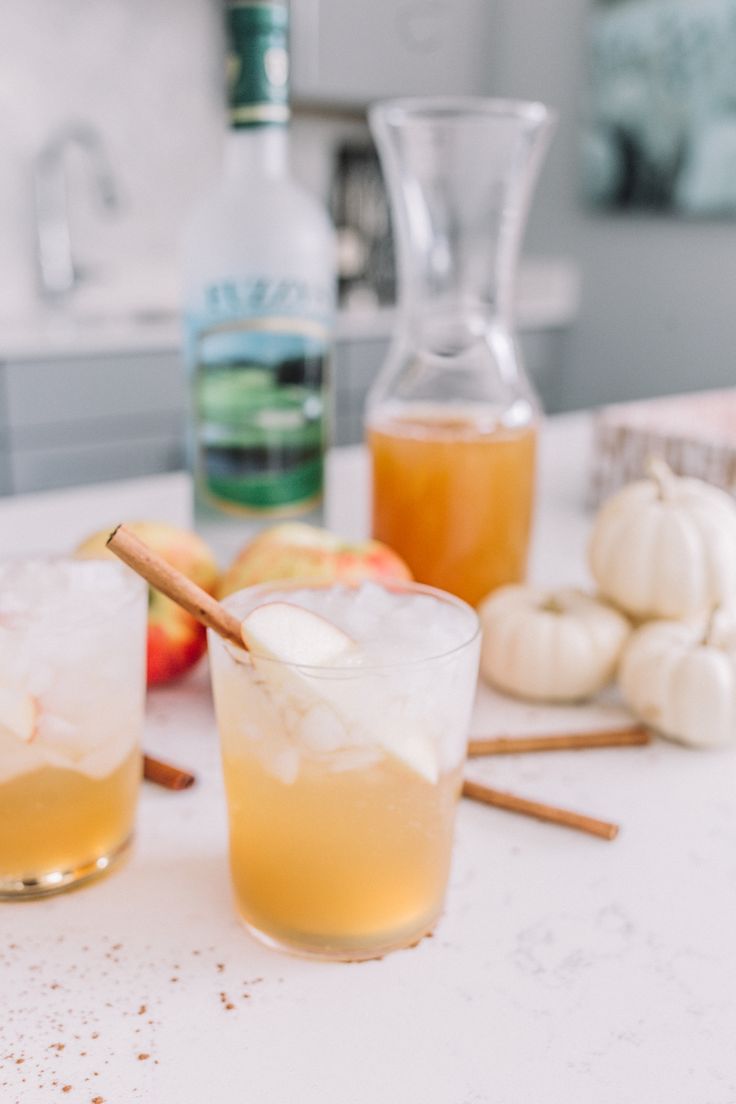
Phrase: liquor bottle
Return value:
(259, 287)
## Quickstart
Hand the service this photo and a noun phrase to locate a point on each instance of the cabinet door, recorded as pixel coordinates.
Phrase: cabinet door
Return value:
(90, 462)
(79, 390)
(5, 483)
(92, 418)
(355, 51)
(356, 365)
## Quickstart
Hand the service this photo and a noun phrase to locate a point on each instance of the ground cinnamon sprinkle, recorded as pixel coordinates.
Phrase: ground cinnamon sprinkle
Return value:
(142, 1057)
(66, 1088)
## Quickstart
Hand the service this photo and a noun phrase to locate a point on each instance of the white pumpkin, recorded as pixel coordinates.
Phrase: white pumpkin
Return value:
(665, 547)
(680, 678)
(556, 647)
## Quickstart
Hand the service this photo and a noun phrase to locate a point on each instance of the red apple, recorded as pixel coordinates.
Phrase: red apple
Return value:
(298, 551)
(175, 640)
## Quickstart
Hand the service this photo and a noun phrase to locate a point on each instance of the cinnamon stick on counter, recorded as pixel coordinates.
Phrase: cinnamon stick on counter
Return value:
(166, 775)
(162, 576)
(630, 736)
(565, 817)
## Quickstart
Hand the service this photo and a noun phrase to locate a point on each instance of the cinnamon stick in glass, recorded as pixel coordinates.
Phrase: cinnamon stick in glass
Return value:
(162, 576)
(565, 817)
(629, 736)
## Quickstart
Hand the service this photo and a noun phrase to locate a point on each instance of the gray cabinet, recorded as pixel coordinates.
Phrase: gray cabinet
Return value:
(85, 419)
(5, 485)
(355, 368)
(352, 51)
(90, 418)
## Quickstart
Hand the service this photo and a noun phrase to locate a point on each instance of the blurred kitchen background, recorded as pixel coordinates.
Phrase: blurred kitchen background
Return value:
(111, 121)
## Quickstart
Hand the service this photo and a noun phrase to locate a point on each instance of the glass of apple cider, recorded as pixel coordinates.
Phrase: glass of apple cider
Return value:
(72, 689)
(453, 493)
(343, 732)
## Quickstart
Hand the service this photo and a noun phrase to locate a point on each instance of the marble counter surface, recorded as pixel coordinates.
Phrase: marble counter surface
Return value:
(565, 969)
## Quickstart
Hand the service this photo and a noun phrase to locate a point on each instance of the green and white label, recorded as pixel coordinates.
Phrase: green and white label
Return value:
(258, 389)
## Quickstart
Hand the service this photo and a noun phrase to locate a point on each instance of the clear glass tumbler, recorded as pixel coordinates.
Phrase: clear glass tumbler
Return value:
(342, 780)
(72, 691)
(452, 418)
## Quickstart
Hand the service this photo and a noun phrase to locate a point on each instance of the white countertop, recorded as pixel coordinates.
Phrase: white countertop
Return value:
(547, 298)
(566, 969)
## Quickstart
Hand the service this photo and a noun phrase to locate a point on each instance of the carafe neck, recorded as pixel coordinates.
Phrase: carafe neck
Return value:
(460, 174)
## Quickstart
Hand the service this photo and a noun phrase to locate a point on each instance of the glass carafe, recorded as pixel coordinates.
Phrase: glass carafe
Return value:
(452, 418)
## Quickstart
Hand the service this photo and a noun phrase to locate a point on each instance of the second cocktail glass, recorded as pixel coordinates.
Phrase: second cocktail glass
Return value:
(72, 691)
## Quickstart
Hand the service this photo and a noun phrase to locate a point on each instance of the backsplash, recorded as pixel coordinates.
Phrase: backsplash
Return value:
(147, 75)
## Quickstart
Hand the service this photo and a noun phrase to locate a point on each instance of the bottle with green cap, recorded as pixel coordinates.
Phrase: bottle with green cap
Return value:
(259, 287)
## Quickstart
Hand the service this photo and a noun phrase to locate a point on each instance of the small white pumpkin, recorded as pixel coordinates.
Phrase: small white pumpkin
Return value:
(549, 646)
(680, 677)
(665, 547)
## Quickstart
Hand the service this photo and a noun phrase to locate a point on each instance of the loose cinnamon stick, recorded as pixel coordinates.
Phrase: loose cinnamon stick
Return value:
(631, 736)
(162, 576)
(565, 817)
(166, 775)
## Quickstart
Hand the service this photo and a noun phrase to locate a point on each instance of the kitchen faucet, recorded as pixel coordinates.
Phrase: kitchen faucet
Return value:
(57, 271)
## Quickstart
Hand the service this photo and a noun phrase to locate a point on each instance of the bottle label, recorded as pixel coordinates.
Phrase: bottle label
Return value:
(257, 63)
(258, 355)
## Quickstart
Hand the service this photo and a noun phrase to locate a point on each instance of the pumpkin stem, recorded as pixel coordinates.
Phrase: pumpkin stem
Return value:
(661, 473)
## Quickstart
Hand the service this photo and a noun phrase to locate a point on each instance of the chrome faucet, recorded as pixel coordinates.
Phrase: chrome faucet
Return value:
(58, 273)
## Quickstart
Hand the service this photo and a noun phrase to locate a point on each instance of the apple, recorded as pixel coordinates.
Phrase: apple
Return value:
(295, 550)
(291, 634)
(175, 640)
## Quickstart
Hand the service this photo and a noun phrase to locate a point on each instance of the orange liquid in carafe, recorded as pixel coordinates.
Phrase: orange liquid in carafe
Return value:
(454, 497)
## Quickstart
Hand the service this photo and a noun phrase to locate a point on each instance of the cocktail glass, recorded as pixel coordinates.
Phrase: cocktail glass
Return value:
(72, 689)
(342, 781)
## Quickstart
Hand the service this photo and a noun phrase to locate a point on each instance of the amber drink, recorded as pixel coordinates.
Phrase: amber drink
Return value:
(72, 686)
(453, 494)
(342, 778)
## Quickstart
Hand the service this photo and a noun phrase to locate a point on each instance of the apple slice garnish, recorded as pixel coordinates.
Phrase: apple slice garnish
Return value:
(18, 713)
(292, 634)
